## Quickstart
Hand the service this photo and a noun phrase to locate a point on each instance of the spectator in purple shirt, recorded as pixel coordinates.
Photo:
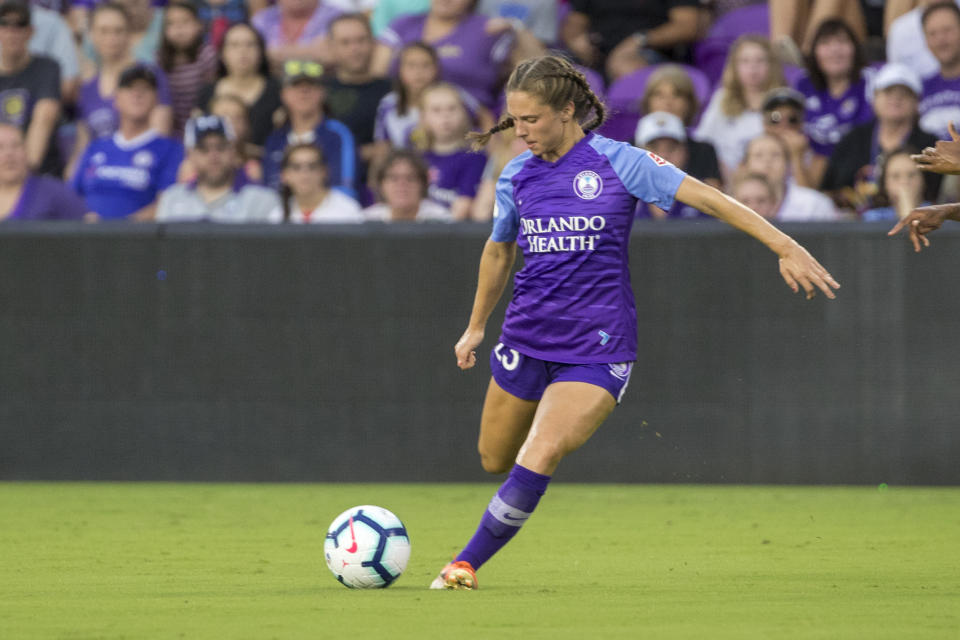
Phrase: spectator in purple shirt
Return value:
(296, 30)
(24, 196)
(472, 56)
(835, 91)
(398, 113)
(97, 116)
(455, 170)
(940, 102)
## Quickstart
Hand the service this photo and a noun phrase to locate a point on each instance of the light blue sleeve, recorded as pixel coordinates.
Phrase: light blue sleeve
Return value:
(506, 218)
(645, 175)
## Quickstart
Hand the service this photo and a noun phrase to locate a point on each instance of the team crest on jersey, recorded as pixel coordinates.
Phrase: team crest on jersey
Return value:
(587, 185)
(98, 158)
(143, 159)
(848, 107)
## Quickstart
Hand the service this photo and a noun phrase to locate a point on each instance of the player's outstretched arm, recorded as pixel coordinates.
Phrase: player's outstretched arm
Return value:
(797, 267)
(923, 220)
(942, 158)
(495, 266)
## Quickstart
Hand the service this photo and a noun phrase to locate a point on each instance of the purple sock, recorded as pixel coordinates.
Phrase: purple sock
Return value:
(508, 510)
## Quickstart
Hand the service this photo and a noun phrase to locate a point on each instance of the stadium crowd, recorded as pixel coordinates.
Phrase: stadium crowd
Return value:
(312, 111)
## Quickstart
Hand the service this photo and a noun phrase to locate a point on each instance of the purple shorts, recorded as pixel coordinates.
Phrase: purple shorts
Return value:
(527, 378)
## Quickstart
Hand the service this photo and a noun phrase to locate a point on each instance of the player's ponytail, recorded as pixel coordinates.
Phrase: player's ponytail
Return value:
(479, 140)
(556, 83)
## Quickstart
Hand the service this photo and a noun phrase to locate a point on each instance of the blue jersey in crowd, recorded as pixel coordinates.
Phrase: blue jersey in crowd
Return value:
(572, 300)
(332, 137)
(117, 177)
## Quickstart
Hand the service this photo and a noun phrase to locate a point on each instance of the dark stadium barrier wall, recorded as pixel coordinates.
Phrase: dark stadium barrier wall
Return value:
(290, 354)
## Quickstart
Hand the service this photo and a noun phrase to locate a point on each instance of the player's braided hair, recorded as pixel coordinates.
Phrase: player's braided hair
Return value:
(556, 83)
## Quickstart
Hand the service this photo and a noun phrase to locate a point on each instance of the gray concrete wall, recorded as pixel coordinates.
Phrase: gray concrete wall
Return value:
(252, 354)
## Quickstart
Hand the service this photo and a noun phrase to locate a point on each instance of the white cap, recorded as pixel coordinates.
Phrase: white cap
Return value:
(895, 74)
(659, 124)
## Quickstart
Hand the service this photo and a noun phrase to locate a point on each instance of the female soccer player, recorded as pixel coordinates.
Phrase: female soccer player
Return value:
(570, 334)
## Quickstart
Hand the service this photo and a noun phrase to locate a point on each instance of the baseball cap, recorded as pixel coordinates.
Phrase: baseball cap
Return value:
(135, 73)
(659, 124)
(201, 126)
(895, 74)
(296, 70)
(783, 96)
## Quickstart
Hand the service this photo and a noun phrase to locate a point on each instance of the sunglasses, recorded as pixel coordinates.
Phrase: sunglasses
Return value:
(776, 117)
(302, 68)
(15, 24)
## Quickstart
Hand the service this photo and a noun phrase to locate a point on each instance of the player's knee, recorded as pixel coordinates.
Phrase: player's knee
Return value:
(494, 463)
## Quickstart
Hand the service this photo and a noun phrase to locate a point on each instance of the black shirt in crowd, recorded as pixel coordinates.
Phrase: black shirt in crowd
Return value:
(613, 20)
(19, 94)
(856, 159)
(260, 112)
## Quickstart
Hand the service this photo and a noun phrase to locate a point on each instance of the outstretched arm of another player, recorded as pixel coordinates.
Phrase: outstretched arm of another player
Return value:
(942, 158)
(797, 267)
(495, 266)
(923, 220)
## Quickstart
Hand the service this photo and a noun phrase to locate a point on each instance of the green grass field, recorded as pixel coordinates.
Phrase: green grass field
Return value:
(596, 561)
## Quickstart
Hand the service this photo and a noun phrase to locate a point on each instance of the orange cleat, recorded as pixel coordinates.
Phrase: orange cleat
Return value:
(456, 575)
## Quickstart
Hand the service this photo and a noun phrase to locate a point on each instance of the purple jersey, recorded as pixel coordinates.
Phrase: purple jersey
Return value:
(828, 119)
(469, 57)
(97, 111)
(46, 198)
(270, 25)
(453, 175)
(940, 105)
(572, 301)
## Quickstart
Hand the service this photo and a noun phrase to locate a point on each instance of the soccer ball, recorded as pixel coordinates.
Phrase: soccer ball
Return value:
(367, 547)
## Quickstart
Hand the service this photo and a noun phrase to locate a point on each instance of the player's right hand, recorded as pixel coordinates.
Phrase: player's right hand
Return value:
(920, 222)
(465, 349)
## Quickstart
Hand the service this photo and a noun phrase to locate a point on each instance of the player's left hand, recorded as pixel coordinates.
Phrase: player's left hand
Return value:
(800, 269)
(944, 157)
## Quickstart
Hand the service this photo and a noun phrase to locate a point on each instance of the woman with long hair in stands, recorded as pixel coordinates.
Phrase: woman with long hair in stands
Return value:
(244, 71)
(187, 60)
(569, 338)
(733, 117)
(835, 89)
